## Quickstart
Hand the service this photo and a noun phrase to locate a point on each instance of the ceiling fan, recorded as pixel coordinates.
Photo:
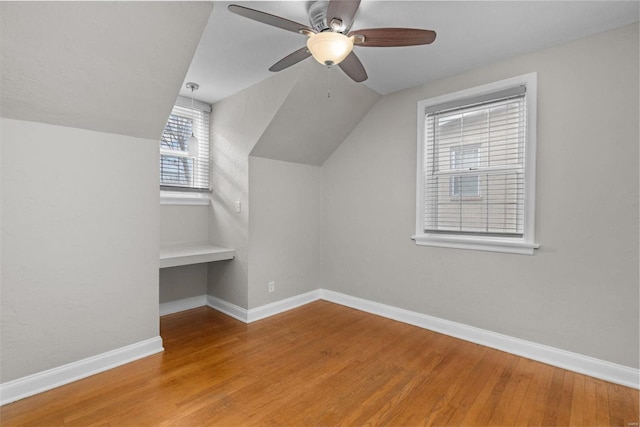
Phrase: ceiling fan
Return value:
(330, 40)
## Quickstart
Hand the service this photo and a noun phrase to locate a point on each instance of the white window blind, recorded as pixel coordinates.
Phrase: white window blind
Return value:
(178, 170)
(474, 180)
(475, 185)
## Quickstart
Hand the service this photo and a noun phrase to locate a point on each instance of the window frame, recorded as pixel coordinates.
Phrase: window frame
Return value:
(183, 156)
(453, 158)
(518, 245)
(177, 195)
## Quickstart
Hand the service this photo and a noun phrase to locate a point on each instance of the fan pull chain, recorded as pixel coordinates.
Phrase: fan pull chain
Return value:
(328, 81)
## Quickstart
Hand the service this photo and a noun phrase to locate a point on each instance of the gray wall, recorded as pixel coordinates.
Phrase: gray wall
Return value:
(182, 282)
(236, 125)
(80, 208)
(267, 121)
(284, 229)
(79, 244)
(579, 291)
(181, 225)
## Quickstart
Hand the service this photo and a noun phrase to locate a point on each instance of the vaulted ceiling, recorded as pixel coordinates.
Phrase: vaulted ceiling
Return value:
(318, 113)
(113, 67)
(118, 66)
(236, 52)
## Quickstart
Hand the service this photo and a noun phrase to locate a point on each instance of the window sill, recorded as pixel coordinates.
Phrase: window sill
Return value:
(478, 244)
(184, 199)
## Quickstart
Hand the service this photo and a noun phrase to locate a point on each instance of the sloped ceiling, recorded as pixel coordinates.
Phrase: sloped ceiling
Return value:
(113, 67)
(310, 124)
(471, 34)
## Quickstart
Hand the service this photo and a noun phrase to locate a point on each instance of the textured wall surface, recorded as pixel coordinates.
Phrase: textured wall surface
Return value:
(79, 244)
(183, 225)
(284, 229)
(185, 281)
(236, 125)
(579, 291)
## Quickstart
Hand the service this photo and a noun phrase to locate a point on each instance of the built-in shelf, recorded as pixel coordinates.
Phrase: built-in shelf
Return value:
(173, 256)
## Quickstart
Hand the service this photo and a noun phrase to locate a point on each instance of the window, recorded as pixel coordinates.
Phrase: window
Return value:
(180, 171)
(476, 168)
(464, 157)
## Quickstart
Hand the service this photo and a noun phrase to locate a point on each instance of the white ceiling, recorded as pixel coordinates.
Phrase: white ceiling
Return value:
(235, 53)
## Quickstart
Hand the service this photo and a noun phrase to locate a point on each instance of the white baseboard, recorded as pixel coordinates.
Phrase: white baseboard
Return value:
(264, 311)
(281, 306)
(52, 378)
(182, 305)
(575, 362)
(227, 308)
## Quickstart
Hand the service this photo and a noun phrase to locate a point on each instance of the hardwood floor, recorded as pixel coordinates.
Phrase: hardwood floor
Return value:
(324, 364)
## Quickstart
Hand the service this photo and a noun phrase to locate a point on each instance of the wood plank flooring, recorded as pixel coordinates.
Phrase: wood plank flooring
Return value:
(324, 364)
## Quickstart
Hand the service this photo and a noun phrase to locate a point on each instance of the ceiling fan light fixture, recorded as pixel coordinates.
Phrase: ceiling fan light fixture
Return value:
(329, 39)
(329, 48)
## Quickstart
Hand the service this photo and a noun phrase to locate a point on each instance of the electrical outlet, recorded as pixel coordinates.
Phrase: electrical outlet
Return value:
(272, 286)
(238, 207)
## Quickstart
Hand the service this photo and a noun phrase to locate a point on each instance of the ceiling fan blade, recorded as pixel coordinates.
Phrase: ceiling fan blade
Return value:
(353, 68)
(273, 20)
(389, 37)
(344, 10)
(291, 59)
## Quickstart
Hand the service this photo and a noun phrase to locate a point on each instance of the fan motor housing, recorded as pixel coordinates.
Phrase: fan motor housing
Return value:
(318, 15)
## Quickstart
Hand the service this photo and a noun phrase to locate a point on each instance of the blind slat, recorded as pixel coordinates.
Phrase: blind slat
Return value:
(177, 169)
(475, 165)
